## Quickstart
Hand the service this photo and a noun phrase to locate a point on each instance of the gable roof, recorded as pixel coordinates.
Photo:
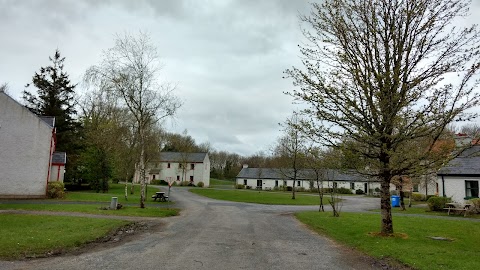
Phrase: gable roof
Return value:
(59, 158)
(467, 163)
(305, 174)
(48, 120)
(182, 157)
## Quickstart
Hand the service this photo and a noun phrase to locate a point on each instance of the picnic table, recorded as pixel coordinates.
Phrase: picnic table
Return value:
(160, 196)
(457, 208)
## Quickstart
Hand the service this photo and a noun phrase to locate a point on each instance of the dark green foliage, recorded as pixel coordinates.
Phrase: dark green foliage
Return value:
(200, 184)
(359, 191)
(248, 187)
(437, 203)
(239, 186)
(159, 182)
(343, 190)
(96, 168)
(55, 96)
(289, 188)
(418, 197)
(55, 190)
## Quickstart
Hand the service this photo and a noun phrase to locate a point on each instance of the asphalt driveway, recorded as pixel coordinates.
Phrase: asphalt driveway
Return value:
(213, 234)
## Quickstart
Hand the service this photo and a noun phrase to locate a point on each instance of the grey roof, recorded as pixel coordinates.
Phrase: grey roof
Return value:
(182, 157)
(467, 163)
(59, 157)
(50, 120)
(305, 174)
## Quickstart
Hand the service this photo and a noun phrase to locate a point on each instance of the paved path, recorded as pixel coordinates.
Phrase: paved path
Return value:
(213, 234)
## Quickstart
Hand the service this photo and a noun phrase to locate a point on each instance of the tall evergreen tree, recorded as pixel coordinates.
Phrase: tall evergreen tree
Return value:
(55, 96)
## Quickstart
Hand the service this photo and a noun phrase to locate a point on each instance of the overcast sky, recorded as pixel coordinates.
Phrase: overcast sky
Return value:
(226, 56)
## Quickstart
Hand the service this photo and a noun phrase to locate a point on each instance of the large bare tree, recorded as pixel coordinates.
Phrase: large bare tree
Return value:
(130, 70)
(382, 73)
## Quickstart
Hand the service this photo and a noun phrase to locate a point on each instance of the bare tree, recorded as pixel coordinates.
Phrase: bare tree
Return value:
(315, 163)
(383, 73)
(130, 70)
(291, 150)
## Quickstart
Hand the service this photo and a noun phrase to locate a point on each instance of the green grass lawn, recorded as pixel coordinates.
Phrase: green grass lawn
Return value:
(32, 235)
(263, 197)
(218, 182)
(426, 211)
(115, 190)
(415, 248)
(95, 209)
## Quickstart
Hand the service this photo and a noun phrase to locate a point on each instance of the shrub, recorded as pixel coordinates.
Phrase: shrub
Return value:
(359, 191)
(475, 207)
(184, 183)
(377, 189)
(239, 186)
(418, 197)
(301, 189)
(343, 190)
(55, 190)
(174, 183)
(191, 184)
(289, 188)
(159, 182)
(437, 203)
(248, 187)
(200, 184)
(276, 188)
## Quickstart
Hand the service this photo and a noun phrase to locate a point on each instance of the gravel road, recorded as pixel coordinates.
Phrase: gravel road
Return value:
(211, 234)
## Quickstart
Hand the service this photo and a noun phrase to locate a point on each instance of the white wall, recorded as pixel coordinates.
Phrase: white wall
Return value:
(455, 187)
(24, 151)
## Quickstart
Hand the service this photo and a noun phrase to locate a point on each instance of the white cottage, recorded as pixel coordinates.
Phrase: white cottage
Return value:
(27, 143)
(177, 166)
(271, 178)
(460, 178)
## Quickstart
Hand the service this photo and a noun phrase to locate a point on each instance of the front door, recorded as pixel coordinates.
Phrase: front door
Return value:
(259, 183)
(366, 188)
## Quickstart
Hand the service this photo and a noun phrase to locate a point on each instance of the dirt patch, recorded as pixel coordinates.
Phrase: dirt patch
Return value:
(121, 235)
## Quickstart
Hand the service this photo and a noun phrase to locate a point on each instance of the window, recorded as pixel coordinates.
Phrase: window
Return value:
(352, 185)
(335, 185)
(180, 165)
(168, 165)
(284, 183)
(245, 182)
(191, 178)
(178, 177)
(276, 183)
(471, 189)
(192, 166)
(298, 183)
(153, 177)
(415, 188)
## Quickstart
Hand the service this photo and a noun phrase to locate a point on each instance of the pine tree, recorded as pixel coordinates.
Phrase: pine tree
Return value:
(56, 97)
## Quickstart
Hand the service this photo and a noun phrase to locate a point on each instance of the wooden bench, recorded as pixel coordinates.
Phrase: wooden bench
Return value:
(160, 196)
(457, 208)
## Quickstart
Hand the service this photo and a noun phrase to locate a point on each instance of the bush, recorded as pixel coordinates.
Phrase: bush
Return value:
(55, 190)
(301, 189)
(200, 184)
(174, 183)
(359, 192)
(437, 203)
(418, 197)
(377, 189)
(239, 186)
(248, 187)
(289, 188)
(343, 190)
(276, 188)
(475, 206)
(184, 183)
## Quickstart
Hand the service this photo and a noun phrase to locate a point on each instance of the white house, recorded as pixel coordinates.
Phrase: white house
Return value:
(27, 143)
(460, 178)
(176, 166)
(271, 178)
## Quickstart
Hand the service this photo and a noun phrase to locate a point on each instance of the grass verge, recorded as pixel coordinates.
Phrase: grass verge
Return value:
(94, 209)
(412, 244)
(426, 211)
(262, 197)
(33, 235)
(218, 182)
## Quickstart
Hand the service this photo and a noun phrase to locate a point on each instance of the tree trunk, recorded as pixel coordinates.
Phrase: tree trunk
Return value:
(142, 171)
(386, 207)
(402, 194)
(320, 196)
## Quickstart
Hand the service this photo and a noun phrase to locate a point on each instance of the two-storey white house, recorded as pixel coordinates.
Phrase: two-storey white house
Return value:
(177, 166)
(27, 144)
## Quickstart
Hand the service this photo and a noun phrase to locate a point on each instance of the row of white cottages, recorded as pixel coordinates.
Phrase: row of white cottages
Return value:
(459, 179)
